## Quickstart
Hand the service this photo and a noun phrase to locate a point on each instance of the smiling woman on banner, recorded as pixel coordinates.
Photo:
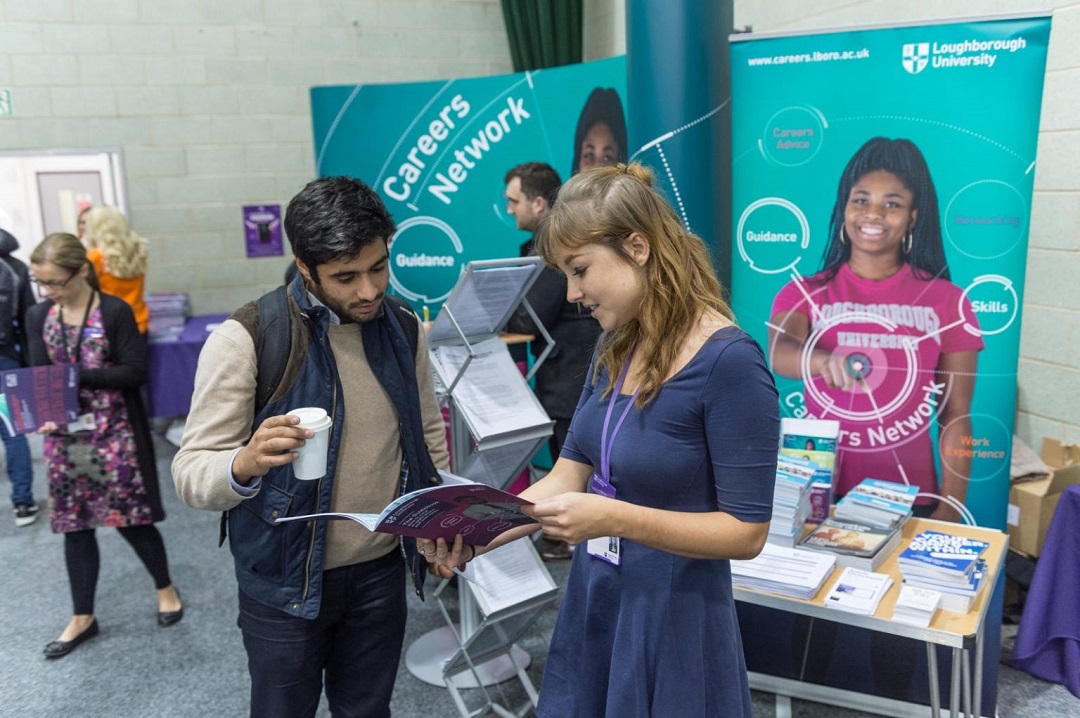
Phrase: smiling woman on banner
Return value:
(881, 338)
(667, 472)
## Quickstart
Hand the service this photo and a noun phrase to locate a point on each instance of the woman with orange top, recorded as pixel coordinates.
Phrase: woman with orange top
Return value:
(119, 258)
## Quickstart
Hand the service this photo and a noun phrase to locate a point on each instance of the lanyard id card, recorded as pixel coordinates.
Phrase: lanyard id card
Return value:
(605, 548)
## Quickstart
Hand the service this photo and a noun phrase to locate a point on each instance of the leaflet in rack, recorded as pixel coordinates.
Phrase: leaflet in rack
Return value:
(491, 393)
(483, 299)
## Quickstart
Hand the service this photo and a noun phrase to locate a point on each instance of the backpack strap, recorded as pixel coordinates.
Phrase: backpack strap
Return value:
(272, 345)
(408, 318)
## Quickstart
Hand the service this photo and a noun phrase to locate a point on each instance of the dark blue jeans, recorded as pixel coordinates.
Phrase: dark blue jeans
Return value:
(355, 642)
(20, 472)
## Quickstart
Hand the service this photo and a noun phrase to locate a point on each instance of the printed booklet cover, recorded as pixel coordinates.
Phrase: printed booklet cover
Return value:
(937, 553)
(476, 511)
(847, 537)
(34, 395)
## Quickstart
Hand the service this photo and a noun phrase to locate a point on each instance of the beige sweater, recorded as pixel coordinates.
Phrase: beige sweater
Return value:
(369, 458)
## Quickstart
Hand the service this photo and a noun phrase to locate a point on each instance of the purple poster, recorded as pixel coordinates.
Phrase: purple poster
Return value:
(262, 230)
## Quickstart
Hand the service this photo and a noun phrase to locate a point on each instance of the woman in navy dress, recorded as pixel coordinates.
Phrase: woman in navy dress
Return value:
(667, 472)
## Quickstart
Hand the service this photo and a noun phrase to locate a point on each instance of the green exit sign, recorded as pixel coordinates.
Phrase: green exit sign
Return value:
(5, 101)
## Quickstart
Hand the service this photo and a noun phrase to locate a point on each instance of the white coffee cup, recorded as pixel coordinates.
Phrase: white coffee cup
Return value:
(311, 463)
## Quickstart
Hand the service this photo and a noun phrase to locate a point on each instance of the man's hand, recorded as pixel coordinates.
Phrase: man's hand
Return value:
(273, 444)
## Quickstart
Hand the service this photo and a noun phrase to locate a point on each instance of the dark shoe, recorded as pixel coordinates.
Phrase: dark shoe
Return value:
(59, 649)
(25, 514)
(556, 551)
(168, 618)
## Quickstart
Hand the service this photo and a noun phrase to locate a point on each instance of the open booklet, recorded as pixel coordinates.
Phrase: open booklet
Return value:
(476, 511)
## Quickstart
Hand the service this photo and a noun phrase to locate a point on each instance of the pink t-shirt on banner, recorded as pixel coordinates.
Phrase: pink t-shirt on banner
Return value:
(891, 334)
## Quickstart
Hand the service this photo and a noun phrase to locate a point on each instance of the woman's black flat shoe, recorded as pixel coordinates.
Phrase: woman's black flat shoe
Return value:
(168, 618)
(59, 649)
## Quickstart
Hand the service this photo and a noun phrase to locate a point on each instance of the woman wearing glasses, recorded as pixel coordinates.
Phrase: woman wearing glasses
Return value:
(101, 469)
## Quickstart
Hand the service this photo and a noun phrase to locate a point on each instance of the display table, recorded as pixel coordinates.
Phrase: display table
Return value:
(1048, 643)
(962, 633)
(173, 363)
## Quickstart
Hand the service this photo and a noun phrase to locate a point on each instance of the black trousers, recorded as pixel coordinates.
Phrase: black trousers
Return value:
(84, 561)
(355, 643)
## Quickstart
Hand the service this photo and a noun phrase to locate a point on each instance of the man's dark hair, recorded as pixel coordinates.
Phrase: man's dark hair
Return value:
(537, 180)
(334, 218)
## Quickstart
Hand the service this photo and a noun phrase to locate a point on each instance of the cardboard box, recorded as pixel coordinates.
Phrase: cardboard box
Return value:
(1032, 503)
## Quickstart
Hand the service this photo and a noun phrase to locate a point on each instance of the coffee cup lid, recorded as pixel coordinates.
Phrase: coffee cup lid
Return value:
(311, 417)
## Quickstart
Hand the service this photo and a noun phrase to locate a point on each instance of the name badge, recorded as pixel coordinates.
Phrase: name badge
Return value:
(605, 548)
(83, 423)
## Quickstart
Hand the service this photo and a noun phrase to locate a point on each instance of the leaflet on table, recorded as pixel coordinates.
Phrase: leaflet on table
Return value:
(848, 537)
(788, 571)
(32, 396)
(944, 553)
(888, 495)
(476, 511)
(858, 591)
(481, 304)
(492, 394)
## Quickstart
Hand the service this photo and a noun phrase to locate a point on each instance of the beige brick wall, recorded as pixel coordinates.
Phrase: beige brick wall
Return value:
(208, 101)
(1049, 372)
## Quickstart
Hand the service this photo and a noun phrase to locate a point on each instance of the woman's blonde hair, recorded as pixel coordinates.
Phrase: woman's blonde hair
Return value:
(123, 250)
(605, 205)
(67, 252)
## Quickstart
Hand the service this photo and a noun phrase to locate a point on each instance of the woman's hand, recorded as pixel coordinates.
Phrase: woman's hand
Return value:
(575, 517)
(47, 428)
(442, 557)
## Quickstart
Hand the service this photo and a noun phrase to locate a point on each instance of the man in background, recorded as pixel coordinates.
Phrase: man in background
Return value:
(16, 297)
(531, 189)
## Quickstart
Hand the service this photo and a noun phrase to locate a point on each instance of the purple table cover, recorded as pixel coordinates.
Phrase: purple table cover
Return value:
(1048, 642)
(173, 363)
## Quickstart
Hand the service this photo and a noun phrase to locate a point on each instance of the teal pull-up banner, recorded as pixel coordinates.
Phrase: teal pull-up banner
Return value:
(680, 119)
(913, 346)
(437, 153)
(882, 196)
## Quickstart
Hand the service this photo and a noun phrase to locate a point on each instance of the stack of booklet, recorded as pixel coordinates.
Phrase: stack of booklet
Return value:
(858, 591)
(946, 563)
(813, 440)
(916, 606)
(168, 312)
(879, 503)
(785, 571)
(791, 499)
(854, 544)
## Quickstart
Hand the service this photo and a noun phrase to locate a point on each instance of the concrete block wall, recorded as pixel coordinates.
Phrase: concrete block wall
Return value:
(1049, 371)
(208, 102)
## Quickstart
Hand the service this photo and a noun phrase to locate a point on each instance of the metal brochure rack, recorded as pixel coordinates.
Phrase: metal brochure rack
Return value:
(496, 426)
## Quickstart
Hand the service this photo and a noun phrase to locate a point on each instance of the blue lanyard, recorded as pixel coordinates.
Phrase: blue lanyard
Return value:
(607, 443)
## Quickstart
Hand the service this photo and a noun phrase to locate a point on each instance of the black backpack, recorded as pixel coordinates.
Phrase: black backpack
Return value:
(273, 341)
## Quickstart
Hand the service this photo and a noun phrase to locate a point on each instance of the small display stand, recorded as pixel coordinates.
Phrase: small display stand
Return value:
(496, 423)
(496, 426)
(505, 591)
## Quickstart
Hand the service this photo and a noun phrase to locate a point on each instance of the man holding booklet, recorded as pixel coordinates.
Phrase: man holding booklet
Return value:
(320, 601)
